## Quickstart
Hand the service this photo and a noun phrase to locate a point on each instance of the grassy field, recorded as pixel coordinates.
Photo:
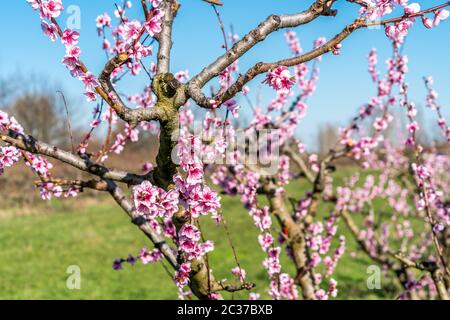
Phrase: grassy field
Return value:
(36, 250)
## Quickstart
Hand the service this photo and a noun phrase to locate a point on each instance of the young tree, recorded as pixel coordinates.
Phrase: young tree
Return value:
(169, 201)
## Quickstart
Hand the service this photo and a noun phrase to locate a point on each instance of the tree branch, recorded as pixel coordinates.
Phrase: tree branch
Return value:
(296, 239)
(145, 9)
(107, 91)
(165, 38)
(98, 185)
(300, 162)
(270, 25)
(131, 116)
(195, 85)
(261, 67)
(430, 266)
(214, 2)
(159, 242)
(362, 3)
(29, 144)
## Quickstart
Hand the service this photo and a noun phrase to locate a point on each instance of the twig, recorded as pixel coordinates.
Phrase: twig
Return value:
(68, 119)
(214, 2)
(145, 9)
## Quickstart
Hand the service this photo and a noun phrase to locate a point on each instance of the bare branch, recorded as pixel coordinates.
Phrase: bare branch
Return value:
(296, 238)
(232, 288)
(145, 8)
(300, 162)
(214, 2)
(362, 3)
(165, 38)
(98, 185)
(29, 144)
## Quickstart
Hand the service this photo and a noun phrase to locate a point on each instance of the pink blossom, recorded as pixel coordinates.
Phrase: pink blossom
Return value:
(34, 4)
(154, 202)
(182, 275)
(150, 256)
(9, 155)
(421, 171)
(440, 16)
(132, 30)
(321, 295)
(188, 242)
(90, 96)
(90, 81)
(279, 79)
(70, 37)
(293, 42)
(204, 202)
(373, 60)
(239, 273)
(194, 175)
(103, 20)
(413, 127)
(233, 107)
(254, 296)
(50, 8)
(412, 8)
(284, 174)
(147, 167)
(190, 232)
(427, 22)
(4, 120)
(40, 165)
(182, 75)
(49, 30)
(72, 57)
(155, 3)
(336, 49)
(106, 45)
(153, 25)
(265, 240)
(380, 124)
(332, 290)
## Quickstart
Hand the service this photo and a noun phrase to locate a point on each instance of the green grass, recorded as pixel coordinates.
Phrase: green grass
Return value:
(35, 252)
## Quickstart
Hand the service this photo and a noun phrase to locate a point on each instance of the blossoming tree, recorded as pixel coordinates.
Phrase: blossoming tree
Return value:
(169, 200)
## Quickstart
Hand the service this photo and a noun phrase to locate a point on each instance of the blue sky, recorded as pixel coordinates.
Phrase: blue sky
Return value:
(343, 86)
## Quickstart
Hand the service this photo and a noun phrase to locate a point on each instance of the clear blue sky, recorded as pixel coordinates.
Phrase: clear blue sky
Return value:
(344, 83)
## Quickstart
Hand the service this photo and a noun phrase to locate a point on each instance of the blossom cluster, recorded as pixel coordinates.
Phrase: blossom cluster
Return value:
(154, 202)
(279, 79)
(124, 36)
(8, 156)
(399, 30)
(432, 104)
(50, 10)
